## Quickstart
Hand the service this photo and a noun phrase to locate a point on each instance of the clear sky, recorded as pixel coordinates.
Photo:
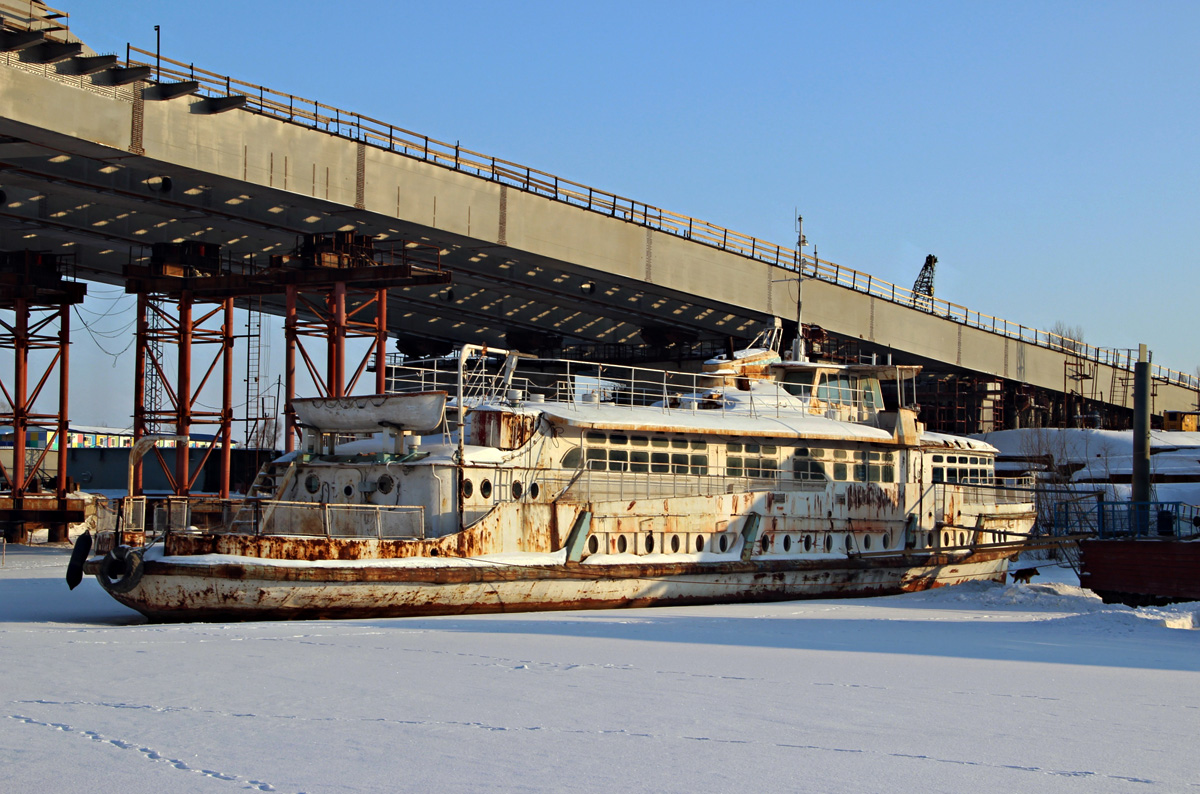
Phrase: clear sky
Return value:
(1047, 153)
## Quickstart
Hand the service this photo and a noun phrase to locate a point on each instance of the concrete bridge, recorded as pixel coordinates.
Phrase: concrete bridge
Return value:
(102, 156)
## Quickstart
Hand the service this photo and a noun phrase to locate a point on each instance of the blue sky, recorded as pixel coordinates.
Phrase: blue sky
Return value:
(1047, 153)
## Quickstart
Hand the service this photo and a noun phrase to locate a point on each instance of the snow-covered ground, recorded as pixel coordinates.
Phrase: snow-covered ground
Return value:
(980, 688)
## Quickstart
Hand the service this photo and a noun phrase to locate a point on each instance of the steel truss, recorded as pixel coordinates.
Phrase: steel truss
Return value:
(32, 283)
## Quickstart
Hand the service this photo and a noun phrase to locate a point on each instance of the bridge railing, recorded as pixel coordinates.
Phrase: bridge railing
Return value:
(374, 132)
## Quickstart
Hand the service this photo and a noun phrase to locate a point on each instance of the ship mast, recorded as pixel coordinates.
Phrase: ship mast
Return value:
(798, 352)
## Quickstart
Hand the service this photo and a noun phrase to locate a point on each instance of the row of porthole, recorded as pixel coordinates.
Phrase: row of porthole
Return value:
(312, 484)
(781, 542)
(948, 538)
(622, 543)
(485, 489)
(676, 543)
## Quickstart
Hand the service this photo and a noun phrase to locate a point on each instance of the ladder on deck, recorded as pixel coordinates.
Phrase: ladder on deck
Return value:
(272, 479)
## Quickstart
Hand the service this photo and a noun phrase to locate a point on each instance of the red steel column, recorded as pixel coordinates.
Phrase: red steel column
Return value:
(227, 399)
(139, 378)
(183, 394)
(20, 387)
(337, 342)
(381, 338)
(289, 370)
(59, 532)
(16, 532)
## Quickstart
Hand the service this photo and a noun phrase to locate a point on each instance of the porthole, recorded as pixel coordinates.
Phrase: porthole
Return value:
(517, 490)
(385, 483)
(312, 483)
(885, 540)
(808, 542)
(348, 490)
(866, 541)
(675, 544)
(962, 539)
(593, 544)
(724, 542)
(485, 489)
(828, 544)
(649, 543)
(787, 543)
(467, 489)
(534, 490)
(945, 538)
(699, 543)
(622, 544)
(847, 540)
(765, 543)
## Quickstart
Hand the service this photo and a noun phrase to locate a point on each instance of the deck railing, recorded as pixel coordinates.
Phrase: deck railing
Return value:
(1127, 519)
(380, 134)
(578, 385)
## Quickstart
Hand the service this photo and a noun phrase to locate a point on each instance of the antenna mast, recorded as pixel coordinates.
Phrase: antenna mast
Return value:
(798, 352)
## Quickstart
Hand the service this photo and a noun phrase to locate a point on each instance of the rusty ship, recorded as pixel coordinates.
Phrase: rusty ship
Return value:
(495, 482)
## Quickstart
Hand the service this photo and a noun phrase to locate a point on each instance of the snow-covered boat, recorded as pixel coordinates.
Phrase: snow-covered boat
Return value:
(556, 484)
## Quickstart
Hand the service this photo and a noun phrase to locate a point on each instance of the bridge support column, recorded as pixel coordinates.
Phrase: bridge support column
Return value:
(180, 328)
(33, 288)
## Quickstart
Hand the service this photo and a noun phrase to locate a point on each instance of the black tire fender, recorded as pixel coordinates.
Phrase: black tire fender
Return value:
(121, 569)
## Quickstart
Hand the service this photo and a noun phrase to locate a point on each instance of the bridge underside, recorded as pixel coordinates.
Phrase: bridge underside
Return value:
(99, 173)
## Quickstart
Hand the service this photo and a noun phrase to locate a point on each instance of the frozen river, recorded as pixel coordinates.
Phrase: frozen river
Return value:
(980, 688)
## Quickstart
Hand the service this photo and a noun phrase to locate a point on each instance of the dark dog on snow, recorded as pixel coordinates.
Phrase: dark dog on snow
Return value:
(1024, 575)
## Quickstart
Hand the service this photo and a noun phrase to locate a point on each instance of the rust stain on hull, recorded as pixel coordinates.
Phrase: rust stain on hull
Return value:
(171, 591)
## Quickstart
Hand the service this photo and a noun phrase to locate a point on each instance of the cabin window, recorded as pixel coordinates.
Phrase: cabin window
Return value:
(616, 438)
(809, 470)
(937, 458)
(761, 467)
(679, 443)
(698, 444)
(839, 472)
(618, 460)
(871, 392)
(860, 472)
(595, 438)
(699, 464)
(639, 462)
(638, 441)
(596, 459)
(816, 453)
(798, 384)
(733, 447)
(839, 454)
(679, 464)
(939, 474)
(660, 442)
(660, 462)
(572, 458)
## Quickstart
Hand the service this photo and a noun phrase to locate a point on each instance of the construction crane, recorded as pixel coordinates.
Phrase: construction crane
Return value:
(923, 286)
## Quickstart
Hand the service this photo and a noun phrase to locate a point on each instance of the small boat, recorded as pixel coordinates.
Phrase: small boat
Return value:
(496, 482)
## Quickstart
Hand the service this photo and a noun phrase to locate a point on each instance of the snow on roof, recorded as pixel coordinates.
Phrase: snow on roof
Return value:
(1077, 445)
(768, 424)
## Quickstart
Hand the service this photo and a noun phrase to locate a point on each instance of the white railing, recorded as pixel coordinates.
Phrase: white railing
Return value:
(578, 385)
